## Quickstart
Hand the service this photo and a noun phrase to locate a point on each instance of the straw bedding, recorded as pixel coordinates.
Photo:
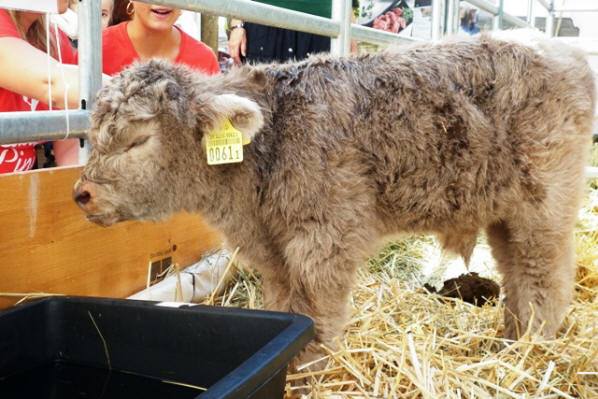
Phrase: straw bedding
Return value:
(403, 342)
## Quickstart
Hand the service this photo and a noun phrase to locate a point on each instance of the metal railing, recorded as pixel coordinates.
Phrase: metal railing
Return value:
(500, 16)
(23, 127)
(18, 127)
(575, 10)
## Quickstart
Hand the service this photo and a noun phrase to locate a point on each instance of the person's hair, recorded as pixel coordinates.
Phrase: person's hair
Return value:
(469, 18)
(119, 12)
(36, 34)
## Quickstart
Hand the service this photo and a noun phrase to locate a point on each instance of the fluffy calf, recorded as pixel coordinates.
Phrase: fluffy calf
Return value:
(451, 139)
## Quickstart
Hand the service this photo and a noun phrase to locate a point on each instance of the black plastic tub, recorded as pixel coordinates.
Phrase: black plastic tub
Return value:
(72, 347)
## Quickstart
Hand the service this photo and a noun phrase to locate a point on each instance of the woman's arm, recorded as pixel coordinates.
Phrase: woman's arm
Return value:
(237, 42)
(24, 70)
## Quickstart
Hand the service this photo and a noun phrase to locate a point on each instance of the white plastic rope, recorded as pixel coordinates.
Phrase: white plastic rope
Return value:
(48, 64)
(66, 85)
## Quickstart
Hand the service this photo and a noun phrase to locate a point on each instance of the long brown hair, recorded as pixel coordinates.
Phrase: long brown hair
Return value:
(36, 34)
(119, 13)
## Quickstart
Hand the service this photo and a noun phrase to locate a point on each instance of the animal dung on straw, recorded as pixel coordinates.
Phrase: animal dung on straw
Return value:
(470, 288)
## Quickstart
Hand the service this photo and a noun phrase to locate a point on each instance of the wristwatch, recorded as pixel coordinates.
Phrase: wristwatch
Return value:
(239, 25)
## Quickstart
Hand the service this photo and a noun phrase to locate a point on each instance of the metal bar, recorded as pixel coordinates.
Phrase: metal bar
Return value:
(22, 127)
(576, 10)
(452, 9)
(258, 13)
(515, 21)
(341, 13)
(497, 23)
(90, 61)
(90, 51)
(544, 4)
(370, 35)
(495, 10)
(437, 16)
(550, 25)
(484, 6)
(209, 31)
(530, 11)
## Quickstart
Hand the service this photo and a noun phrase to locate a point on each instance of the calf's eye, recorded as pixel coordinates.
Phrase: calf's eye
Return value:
(138, 142)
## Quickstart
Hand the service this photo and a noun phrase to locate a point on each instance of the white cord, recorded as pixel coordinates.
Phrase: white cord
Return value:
(66, 85)
(49, 65)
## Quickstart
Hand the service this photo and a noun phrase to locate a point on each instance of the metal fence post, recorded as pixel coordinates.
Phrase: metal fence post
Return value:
(90, 58)
(452, 19)
(342, 12)
(209, 31)
(497, 23)
(530, 10)
(550, 24)
(437, 19)
(550, 20)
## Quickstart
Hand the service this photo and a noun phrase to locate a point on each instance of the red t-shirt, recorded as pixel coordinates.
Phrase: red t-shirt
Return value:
(20, 157)
(118, 52)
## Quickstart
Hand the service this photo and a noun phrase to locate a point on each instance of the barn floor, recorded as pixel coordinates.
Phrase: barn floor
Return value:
(404, 343)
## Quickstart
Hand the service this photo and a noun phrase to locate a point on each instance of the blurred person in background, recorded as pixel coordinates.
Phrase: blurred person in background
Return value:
(107, 10)
(67, 21)
(469, 21)
(188, 20)
(259, 43)
(151, 33)
(119, 12)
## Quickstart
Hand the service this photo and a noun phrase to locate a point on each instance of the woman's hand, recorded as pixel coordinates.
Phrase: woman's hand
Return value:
(27, 74)
(237, 44)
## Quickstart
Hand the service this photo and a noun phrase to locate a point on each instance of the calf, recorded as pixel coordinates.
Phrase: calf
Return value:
(451, 139)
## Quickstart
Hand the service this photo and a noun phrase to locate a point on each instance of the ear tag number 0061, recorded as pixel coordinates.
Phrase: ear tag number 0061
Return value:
(224, 145)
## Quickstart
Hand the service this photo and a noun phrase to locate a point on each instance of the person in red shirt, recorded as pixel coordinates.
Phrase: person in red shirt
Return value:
(24, 84)
(151, 34)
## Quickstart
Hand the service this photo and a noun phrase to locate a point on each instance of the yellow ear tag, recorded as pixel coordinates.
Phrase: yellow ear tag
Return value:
(224, 145)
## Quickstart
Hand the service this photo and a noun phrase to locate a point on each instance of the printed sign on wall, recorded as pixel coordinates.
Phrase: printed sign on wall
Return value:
(31, 5)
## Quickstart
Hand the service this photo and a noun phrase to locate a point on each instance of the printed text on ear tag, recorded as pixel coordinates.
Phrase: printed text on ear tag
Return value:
(224, 145)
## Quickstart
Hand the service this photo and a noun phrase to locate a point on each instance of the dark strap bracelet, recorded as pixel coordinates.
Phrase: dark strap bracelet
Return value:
(241, 25)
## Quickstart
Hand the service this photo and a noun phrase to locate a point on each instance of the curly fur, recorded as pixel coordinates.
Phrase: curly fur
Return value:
(449, 138)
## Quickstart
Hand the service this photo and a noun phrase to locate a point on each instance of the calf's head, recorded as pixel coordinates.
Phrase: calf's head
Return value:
(146, 135)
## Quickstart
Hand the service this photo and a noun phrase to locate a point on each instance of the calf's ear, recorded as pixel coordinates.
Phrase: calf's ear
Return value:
(244, 114)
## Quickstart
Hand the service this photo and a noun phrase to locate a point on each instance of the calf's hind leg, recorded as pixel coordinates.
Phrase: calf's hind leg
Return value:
(537, 263)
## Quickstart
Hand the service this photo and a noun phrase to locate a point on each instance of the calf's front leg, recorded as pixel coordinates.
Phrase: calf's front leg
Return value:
(321, 273)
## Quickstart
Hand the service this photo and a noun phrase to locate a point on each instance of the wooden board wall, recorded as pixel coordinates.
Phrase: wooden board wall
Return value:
(46, 245)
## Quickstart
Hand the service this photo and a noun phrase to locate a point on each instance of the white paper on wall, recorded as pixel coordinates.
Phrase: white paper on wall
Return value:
(31, 5)
(422, 23)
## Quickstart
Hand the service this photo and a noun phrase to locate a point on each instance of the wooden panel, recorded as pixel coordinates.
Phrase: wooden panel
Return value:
(46, 245)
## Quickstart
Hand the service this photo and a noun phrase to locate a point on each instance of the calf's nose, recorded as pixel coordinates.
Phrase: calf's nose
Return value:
(82, 197)
(83, 194)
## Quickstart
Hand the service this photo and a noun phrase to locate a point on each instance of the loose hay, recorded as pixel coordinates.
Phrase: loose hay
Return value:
(27, 296)
(404, 343)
